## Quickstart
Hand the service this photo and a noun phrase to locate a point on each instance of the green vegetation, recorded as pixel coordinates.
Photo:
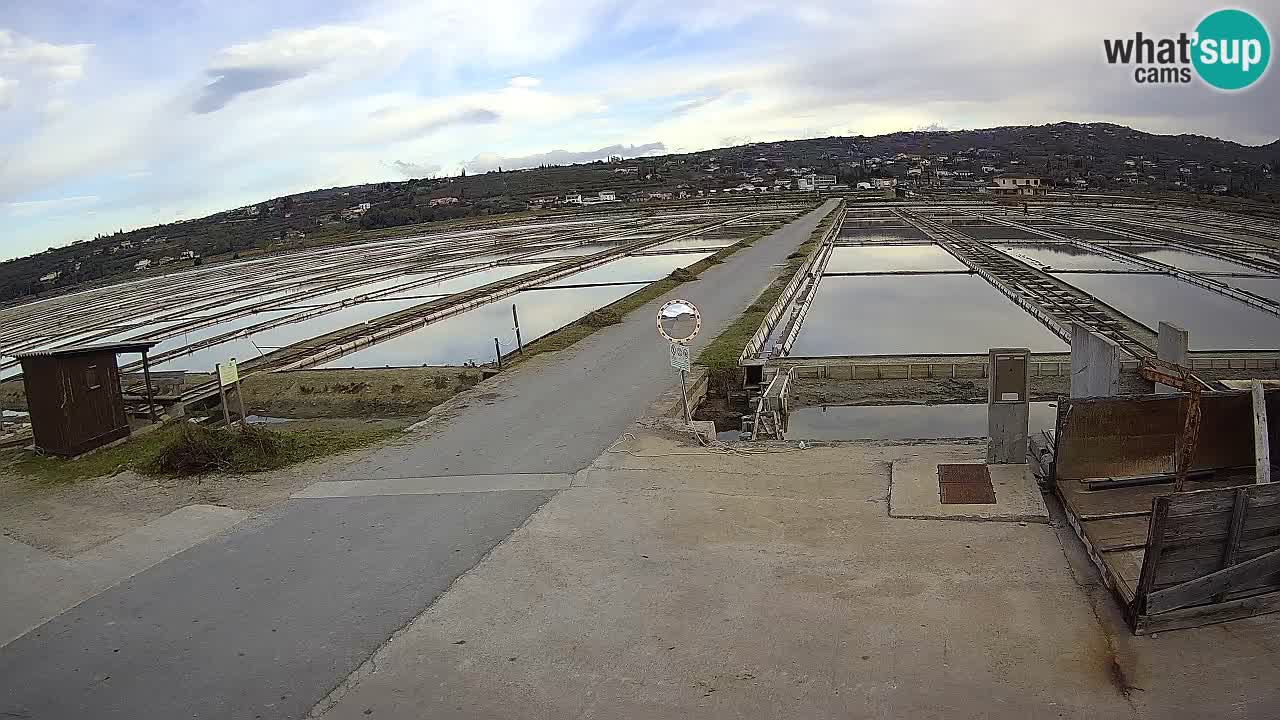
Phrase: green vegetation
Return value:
(182, 448)
(570, 334)
(722, 354)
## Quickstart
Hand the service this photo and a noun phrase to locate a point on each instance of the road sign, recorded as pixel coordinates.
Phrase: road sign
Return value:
(680, 356)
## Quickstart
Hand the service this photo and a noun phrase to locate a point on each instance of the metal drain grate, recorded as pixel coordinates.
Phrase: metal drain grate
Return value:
(965, 484)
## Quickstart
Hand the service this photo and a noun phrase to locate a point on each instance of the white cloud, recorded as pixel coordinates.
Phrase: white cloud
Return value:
(58, 63)
(36, 207)
(518, 103)
(283, 56)
(524, 81)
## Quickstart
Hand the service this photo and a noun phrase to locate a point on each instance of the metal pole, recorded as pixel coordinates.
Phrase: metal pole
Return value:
(146, 376)
(684, 395)
(516, 318)
(497, 350)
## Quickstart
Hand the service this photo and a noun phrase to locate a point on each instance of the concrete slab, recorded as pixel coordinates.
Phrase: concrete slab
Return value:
(708, 594)
(437, 485)
(913, 491)
(38, 585)
(681, 582)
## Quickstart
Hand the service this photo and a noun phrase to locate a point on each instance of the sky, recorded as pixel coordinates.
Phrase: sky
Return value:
(120, 114)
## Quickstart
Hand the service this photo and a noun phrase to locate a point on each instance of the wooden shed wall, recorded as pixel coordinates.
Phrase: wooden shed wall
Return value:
(68, 416)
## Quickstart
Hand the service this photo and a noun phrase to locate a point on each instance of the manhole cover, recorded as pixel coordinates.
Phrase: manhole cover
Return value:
(965, 484)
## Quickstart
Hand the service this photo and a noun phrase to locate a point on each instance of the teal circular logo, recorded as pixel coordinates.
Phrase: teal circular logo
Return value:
(1232, 49)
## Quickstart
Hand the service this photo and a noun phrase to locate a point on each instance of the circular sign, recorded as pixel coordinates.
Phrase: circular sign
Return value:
(1233, 49)
(679, 321)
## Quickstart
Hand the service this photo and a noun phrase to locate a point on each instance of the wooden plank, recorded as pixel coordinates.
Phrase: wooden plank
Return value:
(1123, 533)
(1202, 615)
(1253, 542)
(1155, 544)
(1203, 587)
(1261, 438)
(1196, 502)
(1124, 567)
(1232, 545)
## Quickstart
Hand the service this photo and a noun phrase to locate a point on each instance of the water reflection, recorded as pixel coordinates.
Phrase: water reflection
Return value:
(1184, 260)
(903, 422)
(1216, 322)
(1062, 257)
(916, 314)
(890, 258)
(469, 336)
(1266, 287)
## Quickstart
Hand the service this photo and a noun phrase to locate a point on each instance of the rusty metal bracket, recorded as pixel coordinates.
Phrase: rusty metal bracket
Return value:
(1177, 376)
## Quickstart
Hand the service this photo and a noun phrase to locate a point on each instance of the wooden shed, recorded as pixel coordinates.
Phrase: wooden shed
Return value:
(74, 396)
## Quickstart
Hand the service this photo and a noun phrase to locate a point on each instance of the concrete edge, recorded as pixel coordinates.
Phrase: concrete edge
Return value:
(437, 485)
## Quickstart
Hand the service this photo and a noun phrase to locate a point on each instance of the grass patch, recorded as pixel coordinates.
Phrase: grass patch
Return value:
(574, 332)
(723, 353)
(181, 448)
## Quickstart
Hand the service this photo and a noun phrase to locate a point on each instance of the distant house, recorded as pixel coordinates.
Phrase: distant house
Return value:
(573, 199)
(542, 201)
(864, 186)
(187, 255)
(823, 181)
(608, 196)
(165, 260)
(142, 264)
(436, 202)
(1011, 184)
(50, 277)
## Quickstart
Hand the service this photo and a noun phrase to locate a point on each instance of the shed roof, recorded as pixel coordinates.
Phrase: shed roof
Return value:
(121, 347)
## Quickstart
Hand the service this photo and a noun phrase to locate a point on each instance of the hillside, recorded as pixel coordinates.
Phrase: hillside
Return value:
(1096, 156)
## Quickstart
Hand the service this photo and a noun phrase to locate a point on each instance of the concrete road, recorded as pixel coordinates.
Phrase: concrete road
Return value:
(559, 415)
(263, 622)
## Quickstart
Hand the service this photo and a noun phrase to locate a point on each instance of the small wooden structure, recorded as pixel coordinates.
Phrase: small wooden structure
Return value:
(1175, 559)
(74, 396)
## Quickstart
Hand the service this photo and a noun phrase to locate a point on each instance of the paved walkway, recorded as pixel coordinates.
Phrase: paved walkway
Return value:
(264, 621)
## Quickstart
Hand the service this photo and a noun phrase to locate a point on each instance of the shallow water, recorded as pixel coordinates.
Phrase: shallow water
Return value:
(916, 314)
(1216, 322)
(892, 258)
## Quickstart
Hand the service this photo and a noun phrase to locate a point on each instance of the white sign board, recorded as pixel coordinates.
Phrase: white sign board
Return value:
(680, 356)
(228, 373)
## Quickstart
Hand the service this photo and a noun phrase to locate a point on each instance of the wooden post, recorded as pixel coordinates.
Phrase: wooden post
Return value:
(497, 351)
(146, 376)
(240, 402)
(1261, 434)
(222, 395)
(516, 318)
